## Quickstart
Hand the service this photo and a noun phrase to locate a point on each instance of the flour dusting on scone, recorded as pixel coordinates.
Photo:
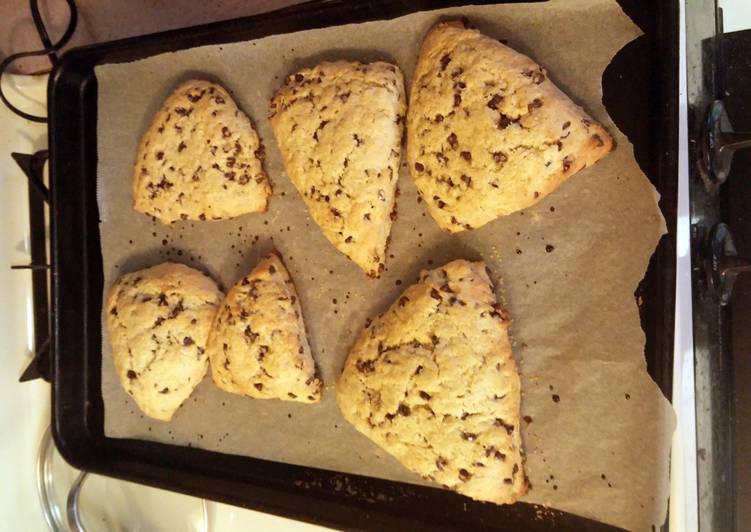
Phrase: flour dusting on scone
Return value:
(258, 345)
(433, 381)
(158, 321)
(488, 132)
(201, 159)
(339, 128)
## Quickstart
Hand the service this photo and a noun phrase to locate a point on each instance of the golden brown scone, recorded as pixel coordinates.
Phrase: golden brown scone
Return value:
(158, 320)
(434, 383)
(488, 132)
(200, 159)
(339, 128)
(258, 346)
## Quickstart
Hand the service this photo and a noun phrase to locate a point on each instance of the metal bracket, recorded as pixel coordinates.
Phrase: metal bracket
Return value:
(722, 265)
(717, 144)
(33, 168)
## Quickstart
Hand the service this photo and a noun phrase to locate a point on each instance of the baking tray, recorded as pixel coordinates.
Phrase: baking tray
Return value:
(640, 93)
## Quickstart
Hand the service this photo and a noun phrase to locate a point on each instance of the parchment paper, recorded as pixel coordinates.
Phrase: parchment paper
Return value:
(567, 268)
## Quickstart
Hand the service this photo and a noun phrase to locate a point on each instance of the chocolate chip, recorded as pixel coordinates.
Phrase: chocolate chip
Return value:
(598, 140)
(181, 146)
(467, 156)
(441, 462)
(438, 118)
(226, 132)
(176, 310)
(418, 370)
(258, 386)
(469, 436)
(500, 423)
(566, 125)
(403, 301)
(457, 99)
(182, 111)
(419, 167)
(556, 398)
(537, 75)
(494, 101)
(464, 475)
(195, 97)
(218, 99)
(499, 157)
(160, 155)
(403, 410)
(113, 311)
(272, 269)
(534, 104)
(453, 141)
(505, 121)
(445, 60)
(435, 295)
(549, 248)
(365, 366)
(508, 481)
(299, 78)
(132, 374)
(425, 395)
(164, 390)
(566, 164)
(434, 339)
(249, 334)
(188, 341)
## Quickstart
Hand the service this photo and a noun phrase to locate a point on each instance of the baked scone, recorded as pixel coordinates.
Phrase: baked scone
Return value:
(200, 159)
(158, 321)
(434, 383)
(258, 346)
(488, 132)
(339, 128)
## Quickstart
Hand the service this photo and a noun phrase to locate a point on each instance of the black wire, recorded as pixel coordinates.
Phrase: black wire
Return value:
(49, 50)
(41, 29)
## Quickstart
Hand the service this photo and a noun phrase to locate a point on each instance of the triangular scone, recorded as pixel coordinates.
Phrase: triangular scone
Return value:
(339, 129)
(200, 159)
(158, 321)
(488, 132)
(434, 383)
(258, 346)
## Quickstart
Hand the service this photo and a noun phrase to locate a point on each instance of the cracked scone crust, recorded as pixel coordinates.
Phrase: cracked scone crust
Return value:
(158, 321)
(201, 159)
(339, 128)
(258, 346)
(434, 383)
(488, 133)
